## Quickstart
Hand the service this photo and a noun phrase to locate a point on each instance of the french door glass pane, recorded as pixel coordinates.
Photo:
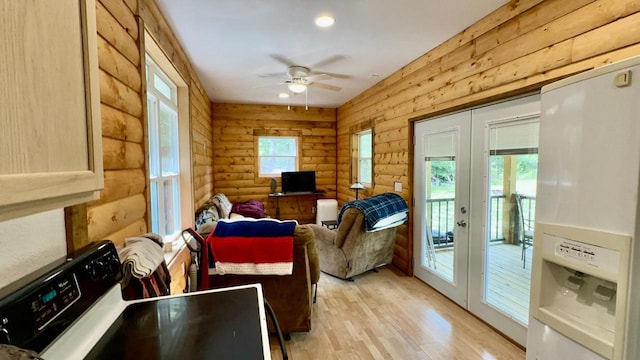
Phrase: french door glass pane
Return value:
(440, 167)
(513, 165)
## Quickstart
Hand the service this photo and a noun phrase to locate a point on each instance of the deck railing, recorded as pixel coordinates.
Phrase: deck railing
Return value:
(441, 214)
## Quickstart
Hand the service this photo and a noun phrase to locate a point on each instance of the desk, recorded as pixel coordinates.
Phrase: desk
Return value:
(298, 193)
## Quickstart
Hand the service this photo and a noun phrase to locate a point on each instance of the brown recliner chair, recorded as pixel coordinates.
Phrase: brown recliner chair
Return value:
(350, 250)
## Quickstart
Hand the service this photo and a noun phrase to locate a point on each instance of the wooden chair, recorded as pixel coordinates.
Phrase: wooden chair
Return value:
(525, 233)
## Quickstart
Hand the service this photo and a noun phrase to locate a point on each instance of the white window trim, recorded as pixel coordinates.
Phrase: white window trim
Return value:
(184, 139)
(360, 158)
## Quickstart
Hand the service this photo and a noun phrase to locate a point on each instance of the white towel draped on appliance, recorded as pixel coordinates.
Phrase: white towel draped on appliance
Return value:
(141, 255)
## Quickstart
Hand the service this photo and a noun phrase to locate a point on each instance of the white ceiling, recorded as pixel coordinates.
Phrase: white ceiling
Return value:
(232, 44)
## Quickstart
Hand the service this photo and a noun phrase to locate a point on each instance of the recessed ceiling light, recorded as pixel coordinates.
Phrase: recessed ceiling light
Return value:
(283, 95)
(325, 21)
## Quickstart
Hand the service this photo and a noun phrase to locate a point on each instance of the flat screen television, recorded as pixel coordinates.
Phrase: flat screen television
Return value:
(298, 181)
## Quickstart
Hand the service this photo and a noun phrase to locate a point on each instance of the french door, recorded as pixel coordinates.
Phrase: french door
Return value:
(475, 181)
(503, 187)
(442, 153)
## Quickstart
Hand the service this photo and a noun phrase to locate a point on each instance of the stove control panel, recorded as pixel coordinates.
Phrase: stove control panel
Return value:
(36, 309)
(50, 302)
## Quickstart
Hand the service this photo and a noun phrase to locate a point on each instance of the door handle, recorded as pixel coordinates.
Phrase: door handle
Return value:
(462, 223)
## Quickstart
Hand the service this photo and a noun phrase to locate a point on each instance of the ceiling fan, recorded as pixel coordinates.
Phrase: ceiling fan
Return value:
(301, 77)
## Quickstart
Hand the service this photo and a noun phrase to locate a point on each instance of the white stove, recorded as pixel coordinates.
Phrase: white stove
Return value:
(73, 309)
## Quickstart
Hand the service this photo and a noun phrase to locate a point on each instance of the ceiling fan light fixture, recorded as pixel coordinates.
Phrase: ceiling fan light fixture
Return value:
(325, 21)
(297, 87)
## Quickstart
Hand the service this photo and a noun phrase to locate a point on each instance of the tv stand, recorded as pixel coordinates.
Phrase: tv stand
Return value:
(296, 193)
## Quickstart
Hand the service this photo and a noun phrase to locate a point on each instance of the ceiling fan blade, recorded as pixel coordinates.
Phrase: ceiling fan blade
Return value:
(269, 85)
(325, 86)
(318, 77)
(282, 59)
(327, 61)
(278, 75)
(333, 75)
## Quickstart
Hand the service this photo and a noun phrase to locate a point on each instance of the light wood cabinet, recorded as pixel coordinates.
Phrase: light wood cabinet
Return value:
(50, 133)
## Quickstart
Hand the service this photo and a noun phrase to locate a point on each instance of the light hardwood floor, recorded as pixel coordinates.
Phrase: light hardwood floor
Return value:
(508, 282)
(387, 315)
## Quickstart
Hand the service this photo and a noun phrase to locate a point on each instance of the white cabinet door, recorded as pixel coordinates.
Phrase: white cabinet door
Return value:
(50, 133)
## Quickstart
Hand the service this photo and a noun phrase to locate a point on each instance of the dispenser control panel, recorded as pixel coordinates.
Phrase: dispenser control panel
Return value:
(579, 252)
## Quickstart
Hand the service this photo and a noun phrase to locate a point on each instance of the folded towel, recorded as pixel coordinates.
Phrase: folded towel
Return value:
(141, 256)
(263, 246)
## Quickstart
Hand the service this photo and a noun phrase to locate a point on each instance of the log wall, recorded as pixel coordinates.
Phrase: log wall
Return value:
(121, 210)
(235, 130)
(516, 49)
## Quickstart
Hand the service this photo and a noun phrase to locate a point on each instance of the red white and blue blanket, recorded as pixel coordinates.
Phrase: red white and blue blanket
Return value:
(263, 247)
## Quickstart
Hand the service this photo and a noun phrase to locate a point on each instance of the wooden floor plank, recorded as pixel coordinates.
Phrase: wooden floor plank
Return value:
(387, 315)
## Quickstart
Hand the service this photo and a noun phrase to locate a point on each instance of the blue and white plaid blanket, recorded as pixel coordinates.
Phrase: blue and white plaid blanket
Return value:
(376, 208)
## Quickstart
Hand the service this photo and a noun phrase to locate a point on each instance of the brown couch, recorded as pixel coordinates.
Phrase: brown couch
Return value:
(290, 296)
(350, 250)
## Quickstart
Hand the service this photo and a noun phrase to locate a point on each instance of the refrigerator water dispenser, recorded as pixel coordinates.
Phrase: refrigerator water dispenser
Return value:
(579, 285)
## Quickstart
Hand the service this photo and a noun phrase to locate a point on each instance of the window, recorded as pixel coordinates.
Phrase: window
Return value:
(163, 152)
(363, 157)
(277, 154)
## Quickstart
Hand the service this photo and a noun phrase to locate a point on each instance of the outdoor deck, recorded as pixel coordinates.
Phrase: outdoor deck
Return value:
(509, 283)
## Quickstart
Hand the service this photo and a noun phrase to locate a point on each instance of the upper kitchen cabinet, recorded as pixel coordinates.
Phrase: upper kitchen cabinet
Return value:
(50, 133)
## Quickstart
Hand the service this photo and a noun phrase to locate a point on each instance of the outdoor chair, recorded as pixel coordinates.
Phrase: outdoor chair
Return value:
(525, 231)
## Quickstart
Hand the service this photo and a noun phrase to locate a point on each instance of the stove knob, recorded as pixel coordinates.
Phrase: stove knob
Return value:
(101, 269)
(91, 270)
(98, 270)
(115, 267)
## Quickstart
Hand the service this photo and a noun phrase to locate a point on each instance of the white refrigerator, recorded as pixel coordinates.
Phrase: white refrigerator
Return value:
(585, 292)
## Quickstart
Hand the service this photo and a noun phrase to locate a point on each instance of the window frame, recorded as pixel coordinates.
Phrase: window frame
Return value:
(184, 203)
(259, 157)
(357, 158)
(157, 103)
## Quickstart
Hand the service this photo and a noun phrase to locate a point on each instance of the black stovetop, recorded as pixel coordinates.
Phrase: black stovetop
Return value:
(218, 325)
